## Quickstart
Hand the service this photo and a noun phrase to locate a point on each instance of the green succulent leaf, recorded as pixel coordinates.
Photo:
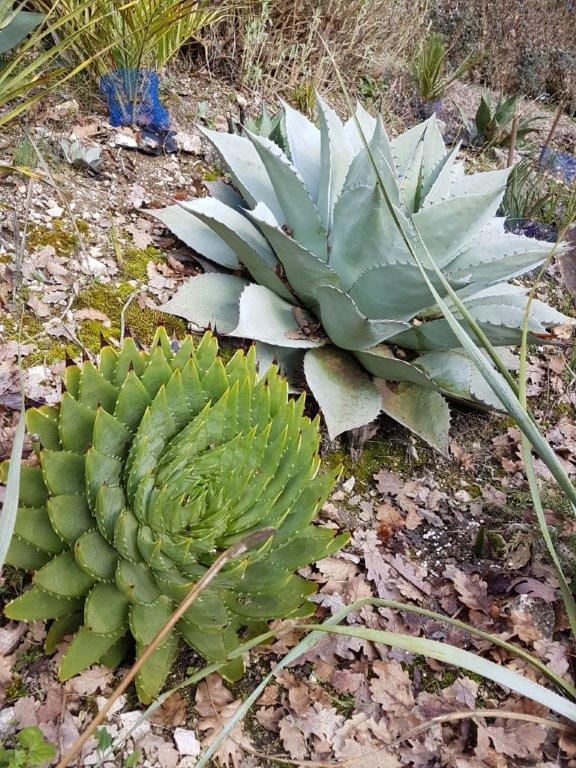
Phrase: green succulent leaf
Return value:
(346, 394)
(175, 455)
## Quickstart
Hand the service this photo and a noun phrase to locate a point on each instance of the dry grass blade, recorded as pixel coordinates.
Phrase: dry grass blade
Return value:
(230, 554)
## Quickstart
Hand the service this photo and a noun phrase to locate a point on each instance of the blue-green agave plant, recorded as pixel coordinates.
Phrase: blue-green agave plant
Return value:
(322, 248)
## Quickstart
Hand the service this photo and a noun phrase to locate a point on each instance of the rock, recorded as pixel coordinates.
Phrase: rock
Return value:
(532, 618)
(188, 142)
(187, 742)
(349, 484)
(129, 720)
(8, 722)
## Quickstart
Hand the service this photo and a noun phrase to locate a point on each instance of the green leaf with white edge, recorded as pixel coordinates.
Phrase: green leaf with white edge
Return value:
(208, 301)
(472, 662)
(300, 213)
(197, 235)
(246, 241)
(304, 142)
(423, 411)
(345, 393)
(266, 317)
(349, 328)
(12, 491)
(37, 605)
(86, 649)
(304, 271)
(246, 169)
(336, 155)
(381, 362)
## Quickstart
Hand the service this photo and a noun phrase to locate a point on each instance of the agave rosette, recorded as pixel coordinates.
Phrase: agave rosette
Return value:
(334, 283)
(149, 467)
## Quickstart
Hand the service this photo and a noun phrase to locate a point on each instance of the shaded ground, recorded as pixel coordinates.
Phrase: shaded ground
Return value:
(454, 535)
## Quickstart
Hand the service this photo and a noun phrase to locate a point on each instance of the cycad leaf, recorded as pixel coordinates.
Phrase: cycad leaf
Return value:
(345, 393)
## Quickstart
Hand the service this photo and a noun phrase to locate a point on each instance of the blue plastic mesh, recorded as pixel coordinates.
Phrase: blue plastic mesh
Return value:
(133, 98)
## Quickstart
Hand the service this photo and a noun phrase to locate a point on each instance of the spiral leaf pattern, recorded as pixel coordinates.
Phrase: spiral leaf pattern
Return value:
(149, 467)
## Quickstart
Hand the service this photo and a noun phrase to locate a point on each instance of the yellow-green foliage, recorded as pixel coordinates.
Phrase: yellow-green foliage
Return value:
(61, 236)
(110, 299)
(135, 261)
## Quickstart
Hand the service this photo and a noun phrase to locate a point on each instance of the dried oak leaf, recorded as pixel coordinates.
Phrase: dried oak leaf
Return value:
(392, 688)
(215, 707)
(171, 712)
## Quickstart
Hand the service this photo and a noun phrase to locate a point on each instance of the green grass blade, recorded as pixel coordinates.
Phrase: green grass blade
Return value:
(10, 506)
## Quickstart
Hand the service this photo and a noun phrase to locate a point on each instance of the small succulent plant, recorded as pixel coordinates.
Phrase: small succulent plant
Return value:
(334, 282)
(494, 128)
(149, 467)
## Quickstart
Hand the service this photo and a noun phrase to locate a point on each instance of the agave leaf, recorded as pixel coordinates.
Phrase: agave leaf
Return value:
(246, 169)
(345, 393)
(395, 291)
(288, 360)
(180, 220)
(226, 194)
(482, 184)
(304, 271)
(347, 327)
(304, 142)
(361, 171)
(404, 146)
(245, 240)
(208, 301)
(423, 411)
(445, 225)
(368, 126)
(457, 376)
(381, 362)
(281, 327)
(336, 155)
(436, 186)
(21, 23)
(298, 207)
(364, 234)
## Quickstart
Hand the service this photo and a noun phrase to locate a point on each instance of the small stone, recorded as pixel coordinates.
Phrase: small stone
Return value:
(188, 142)
(116, 707)
(463, 496)
(8, 722)
(348, 485)
(129, 720)
(55, 212)
(187, 742)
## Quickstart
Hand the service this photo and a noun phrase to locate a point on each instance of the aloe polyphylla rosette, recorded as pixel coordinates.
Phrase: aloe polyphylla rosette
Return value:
(151, 465)
(329, 245)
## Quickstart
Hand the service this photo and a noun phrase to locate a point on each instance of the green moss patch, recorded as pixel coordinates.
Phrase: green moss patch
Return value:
(135, 261)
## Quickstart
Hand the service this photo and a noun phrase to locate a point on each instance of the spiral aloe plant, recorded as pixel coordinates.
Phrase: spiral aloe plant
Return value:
(329, 231)
(151, 465)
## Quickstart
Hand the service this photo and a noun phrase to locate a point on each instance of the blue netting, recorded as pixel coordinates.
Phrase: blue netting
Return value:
(133, 98)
